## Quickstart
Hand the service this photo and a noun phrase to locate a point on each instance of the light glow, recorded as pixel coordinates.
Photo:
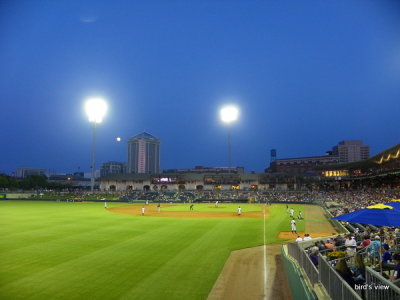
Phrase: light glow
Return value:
(96, 109)
(229, 114)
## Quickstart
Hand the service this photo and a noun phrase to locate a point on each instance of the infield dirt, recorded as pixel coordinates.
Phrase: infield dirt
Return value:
(151, 211)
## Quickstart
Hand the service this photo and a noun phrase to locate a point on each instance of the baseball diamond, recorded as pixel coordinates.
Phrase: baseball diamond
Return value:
(59, 250)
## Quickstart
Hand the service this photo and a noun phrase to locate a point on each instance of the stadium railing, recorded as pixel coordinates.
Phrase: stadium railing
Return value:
(376, 286)
(304, 261)
(379, 288)
(333, 283)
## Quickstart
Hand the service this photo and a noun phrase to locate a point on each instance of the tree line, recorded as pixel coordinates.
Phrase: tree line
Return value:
(31, 182)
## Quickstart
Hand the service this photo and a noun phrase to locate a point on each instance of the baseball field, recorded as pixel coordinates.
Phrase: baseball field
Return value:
(65, 250)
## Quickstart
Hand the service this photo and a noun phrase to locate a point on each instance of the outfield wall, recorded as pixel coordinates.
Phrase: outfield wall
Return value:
(14, 196)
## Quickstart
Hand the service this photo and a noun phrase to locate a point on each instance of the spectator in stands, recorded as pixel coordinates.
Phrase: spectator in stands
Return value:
(329, 245)
(397, 236)
(396, 273)
(358, 269)
(314, 256)
(387, 258)
(321, 245)
(366, 242)
(367, 232)
(351, 245)
(373, 249)
(339, 242)
(345, 272)
(389, 239)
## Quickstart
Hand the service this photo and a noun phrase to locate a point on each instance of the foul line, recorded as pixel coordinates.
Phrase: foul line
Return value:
(265, 262)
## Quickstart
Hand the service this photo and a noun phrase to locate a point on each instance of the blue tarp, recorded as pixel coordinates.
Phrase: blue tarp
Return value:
(379, 217)
(396, 205)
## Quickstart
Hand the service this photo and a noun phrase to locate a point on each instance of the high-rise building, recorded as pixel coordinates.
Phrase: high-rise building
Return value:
(349, 151)
(143, 154)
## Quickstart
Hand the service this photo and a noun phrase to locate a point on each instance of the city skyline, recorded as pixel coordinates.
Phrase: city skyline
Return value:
(304, 76)
(131, 165)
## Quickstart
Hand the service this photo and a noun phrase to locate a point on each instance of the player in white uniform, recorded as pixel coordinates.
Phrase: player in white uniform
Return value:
(293, 223)
(239, 211)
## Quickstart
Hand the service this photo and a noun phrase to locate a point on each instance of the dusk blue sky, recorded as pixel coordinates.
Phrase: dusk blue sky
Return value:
(305, 74)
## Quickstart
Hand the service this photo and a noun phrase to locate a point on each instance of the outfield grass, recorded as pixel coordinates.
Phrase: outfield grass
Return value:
(58, 250)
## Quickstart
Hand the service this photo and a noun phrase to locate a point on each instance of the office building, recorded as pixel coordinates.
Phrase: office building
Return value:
(350, 151)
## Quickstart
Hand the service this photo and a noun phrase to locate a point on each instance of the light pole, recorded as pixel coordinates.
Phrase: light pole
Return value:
(96, 109)
(228, 115)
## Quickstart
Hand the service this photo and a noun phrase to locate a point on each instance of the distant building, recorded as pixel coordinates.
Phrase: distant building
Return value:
(24, 172)
(350, 151)
(301, 165)
(75, 180)
(143, 154)
(112, 167)
(273, 155)
(343, 152)
(79, 175)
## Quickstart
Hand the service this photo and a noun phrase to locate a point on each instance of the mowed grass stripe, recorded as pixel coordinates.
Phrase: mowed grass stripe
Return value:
(78, 272)
(194, 269)
(26, 216)
(87, 262)
(57, 251)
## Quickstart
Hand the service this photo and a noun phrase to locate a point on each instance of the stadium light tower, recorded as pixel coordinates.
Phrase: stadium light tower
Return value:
(96, 109)
(228, 115)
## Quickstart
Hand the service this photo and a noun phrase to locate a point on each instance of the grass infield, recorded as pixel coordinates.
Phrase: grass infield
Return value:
(59, 250)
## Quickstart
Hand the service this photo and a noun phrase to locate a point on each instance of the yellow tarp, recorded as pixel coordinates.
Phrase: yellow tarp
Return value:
(395, 200)
(380, 206)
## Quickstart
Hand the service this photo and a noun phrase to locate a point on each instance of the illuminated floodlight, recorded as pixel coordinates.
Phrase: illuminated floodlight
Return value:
(229, 114)
(118, 139)
(96, 109)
